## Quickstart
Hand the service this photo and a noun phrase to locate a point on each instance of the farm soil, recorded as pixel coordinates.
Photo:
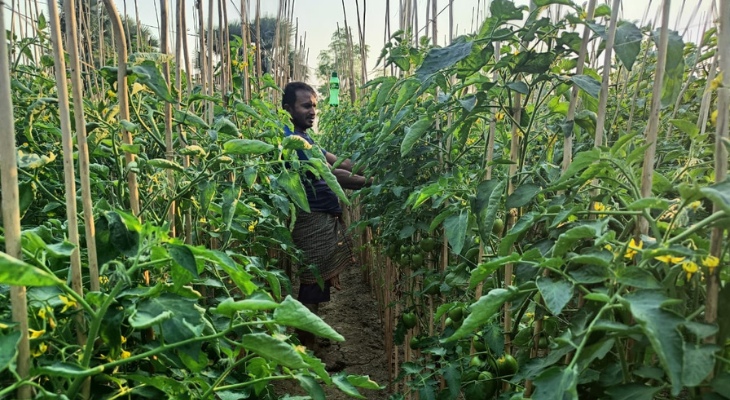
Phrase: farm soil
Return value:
(353, 312)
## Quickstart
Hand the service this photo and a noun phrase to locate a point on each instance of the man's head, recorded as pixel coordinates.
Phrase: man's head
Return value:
(300, 101)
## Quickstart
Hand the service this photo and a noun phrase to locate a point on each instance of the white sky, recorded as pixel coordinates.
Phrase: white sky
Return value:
(319, 18)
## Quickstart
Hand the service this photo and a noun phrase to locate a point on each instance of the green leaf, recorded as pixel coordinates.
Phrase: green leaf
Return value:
(555, 293)
(686, 126)
(329, 178)
(183, 256)
(699, 360)
(8, 349)
(519, 87)
(364, 381)
(481, 311)
(340, 380)
(522, 225)
(661, 328)
(224, 125)
(649, 202)
(293, 313)
(581, 161)
(68, 370)
(481, 273)
(486, 205)
(455, 227)
(633, 391)
(588, 83)
(440, 58)
(273, 349)
(190, 119)
(293, 187)
(310, 385)
(165, 164)
(413, 133)
(627, 43)
(247, 146)
(557, 383)
(177, 318)
(637, 277)
(543, 3)
(586, 119)
(532, 62)
(149, 75)
(505, 10)
(426, 193)
(230, 202)
(19, 273)
(719, 193)
(522, 195)
(674, 68)
(124, 240)
(586, 230)
(258, 302)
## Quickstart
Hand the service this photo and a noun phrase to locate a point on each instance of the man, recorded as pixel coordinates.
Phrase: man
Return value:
(321, 233)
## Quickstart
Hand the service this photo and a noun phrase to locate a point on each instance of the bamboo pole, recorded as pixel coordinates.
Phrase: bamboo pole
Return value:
(568, 141)
(607, 57)
(434, 26)
(353, 90)
(180, 34)
(707, 96)
(123, 96)
(652, 128)
(721, 160)
(68, 167)
(258, 39)
(211, 82)
(221, 50)
(361, 36)
(139, 27)
(83, 148)
(11, 209)
(183, 26)
(203, 62)
(169, 154)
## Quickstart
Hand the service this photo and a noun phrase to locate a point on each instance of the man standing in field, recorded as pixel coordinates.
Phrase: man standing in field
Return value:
(321, 233)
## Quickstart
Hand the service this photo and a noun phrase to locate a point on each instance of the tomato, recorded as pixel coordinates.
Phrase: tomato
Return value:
(544, 343)
(404, 259)
(409, 320)
(428, 244)
(456, 313)
(485, 387)
(478, 344)
(490, 384)
(473, 255)
(417, 260)
(550, 326)
(477, 361)
(415, 343)
(433, 286)
(498, 226)
(506, 365)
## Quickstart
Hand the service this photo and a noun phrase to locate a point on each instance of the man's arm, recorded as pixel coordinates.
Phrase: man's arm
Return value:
(346, 164)
(349, 181)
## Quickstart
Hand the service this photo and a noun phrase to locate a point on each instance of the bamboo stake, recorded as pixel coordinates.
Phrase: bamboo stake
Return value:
(11, 209)
(139, 27)
(211, 82)
(607, 57)
(180, 33)
(68, 167)
(221, 50)
(275, 47)
(83, 148)
(165, 49)
(353, 90)
(721, 160)
(568, 141)
(707, 96)
(126, 28)
(123, 96)
(183, 26)
(434, 15)
(492, 122)
(361, 36)
(652, 128)
(258, 40)
(203, 62)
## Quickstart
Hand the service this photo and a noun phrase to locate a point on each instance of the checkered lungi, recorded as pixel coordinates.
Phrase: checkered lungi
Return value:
(325, 243)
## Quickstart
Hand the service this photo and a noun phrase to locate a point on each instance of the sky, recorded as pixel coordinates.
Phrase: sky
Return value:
(319, 18)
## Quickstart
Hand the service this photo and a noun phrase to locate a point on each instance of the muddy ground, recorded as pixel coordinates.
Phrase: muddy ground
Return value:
(352, 312)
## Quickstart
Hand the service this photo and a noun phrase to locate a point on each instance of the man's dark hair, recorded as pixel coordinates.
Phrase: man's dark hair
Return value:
(290, 92)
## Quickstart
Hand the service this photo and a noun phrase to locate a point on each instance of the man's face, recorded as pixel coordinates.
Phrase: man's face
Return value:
(304, 110)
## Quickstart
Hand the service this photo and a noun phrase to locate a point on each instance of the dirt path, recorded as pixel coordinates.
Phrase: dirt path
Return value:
(354, 314)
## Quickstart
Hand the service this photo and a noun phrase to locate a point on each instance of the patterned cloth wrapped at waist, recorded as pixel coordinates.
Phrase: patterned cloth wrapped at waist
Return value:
(326, 245)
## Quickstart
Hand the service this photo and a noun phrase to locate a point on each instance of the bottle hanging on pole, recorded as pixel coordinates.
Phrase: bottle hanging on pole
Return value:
(334, 89)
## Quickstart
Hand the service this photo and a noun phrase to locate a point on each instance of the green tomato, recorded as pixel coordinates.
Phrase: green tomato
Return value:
(417, 260)
(428, 244)
(456, 313)
(498, 226)
(409, 320)
(506, 365)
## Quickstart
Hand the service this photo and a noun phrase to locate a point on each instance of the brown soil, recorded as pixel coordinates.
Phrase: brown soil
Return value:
(353, 313)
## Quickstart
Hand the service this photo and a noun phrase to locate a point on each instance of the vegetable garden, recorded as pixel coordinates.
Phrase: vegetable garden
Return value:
(549, 216)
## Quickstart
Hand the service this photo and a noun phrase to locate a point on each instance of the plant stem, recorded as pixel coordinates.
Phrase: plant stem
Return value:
(252, 382)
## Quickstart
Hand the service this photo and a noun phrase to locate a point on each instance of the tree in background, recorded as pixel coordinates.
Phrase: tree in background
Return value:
(335, 58)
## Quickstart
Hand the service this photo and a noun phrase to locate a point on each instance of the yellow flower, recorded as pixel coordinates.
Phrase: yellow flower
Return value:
(633, 248)
(529, 315)
(125, 354)
(717, 82)
(713, 117)
(42, 313)
(252, 226)
(598, 206)
(124, 339)
(690, 268)
(33, 334)
(42, 348)
(669, 259)
(608, 247)
(52, 323)
(234, 63)
(695, 205)
(103, 280)
(499, 116)
(711, 262)
(300, 349)
(68, 303)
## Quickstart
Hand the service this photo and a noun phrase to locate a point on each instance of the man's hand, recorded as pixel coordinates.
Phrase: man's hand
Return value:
(335, 282)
